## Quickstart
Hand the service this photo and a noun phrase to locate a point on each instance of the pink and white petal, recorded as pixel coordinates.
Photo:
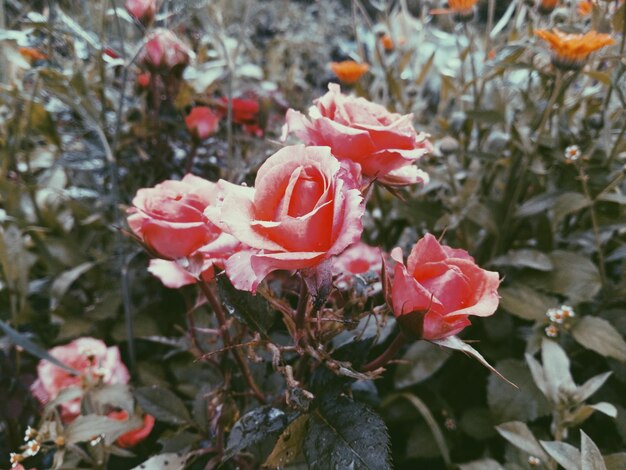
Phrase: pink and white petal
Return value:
(170, 273)
(407, 295)
(348, 218)
(426, 250)
(404, 176)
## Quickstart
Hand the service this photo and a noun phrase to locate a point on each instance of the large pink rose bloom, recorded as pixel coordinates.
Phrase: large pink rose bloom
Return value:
(170, 219)
(384, 144)
(305, 207)
(439, 288)
(91, 358)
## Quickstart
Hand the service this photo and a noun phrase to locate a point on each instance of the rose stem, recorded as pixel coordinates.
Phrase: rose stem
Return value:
(221, 319)
(191, 156)
(303, 301)
(389, 353)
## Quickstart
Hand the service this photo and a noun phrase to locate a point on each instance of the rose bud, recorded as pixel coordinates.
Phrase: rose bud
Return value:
(134, 437)
(143, 79)
(142, 10)
(433, 296)
(165, 53)
(355, 129)
(305, 207)
(169, 217)
(202, 122)
(91, 358)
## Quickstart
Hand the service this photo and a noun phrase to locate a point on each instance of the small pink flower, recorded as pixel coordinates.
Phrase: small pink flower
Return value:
(143, 79)
(384, 144)
(359, 258)
(91, 358)
(164, 52)
(134, 437)
(202, 122)
(142, 10)
(305, 208)
(170, 219)
(438, 289)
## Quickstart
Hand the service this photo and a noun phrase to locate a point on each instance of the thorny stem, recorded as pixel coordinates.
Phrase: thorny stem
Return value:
(238, 355)
(594, 221)
(388, 354)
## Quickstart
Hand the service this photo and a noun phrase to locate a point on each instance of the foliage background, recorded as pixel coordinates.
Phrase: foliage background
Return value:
(78, 138)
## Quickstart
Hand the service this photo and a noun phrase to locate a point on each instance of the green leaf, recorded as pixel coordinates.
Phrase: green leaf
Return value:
(525, 302)
(252, 310)
(254, 427)
(288, 449)
(559, 381)
(22, 341)
(163, 462)
(452, 342)
(566, 455)
(592, 385)
(518, 434)
(421, 360)
(116, 395)
(566, 204)
(509, 404)
(536, 205)
(615, 461)
(162, 404)
(63, 282)
(574, 276)
(591, 458)
(525, 258)
(482, 464)
(84, 428)
(343, 433)
(600, 336)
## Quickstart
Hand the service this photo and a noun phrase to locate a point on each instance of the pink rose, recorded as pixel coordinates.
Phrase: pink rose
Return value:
(134, 437)
(364, 132)
(359, 258)
(304, 209)
(202, 122)
(439, 288)
(91, 358)
(170, 219)
(142, 10)
(164, 52)
(198, 266)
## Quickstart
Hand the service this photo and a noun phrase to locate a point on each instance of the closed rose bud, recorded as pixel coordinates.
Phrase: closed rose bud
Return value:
(142, 10)
(135, 436)
(434, 295)
(143, 79)
(165, 53)
(202, 122)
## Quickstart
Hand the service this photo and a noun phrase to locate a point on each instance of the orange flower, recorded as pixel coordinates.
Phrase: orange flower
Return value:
(585, 7)
(349, 71)
(547, 6)
(463, 10)
(387, 42)
(570, 51)
(32, 54)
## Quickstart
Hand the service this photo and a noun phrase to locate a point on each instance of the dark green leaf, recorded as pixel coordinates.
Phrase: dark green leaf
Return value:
(568, 203)
(288, 449)
(518, 434)
(421, 360)
(253, 310)
(254, 427)
(342, 433)
(600, 336)
(525, 302)
(22, 341)
(525, 258)
(162, 404)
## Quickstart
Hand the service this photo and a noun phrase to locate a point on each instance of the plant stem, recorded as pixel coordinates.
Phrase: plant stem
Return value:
(387, 355)
(238, 355)
(303, 301)
(191, 156)
(594, 222)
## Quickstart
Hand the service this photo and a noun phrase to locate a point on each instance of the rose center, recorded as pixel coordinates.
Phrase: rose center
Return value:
(358, 266)
(306, 193)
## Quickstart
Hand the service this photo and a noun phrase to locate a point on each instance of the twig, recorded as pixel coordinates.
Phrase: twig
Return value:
(387, 355)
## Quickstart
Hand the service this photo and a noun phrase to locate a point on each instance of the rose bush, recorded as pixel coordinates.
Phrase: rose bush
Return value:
(355, 129)
(305, 207)
(91, 358)
(439, 288)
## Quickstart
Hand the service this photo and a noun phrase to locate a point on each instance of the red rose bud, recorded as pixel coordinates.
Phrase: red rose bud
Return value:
(164, 52)
(143, 79)
(202, 122)
(142, 10)
(433, 296)
(245, 111)
(135, 436)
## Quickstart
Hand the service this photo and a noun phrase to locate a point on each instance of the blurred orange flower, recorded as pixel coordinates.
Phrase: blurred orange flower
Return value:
(463, 10)
(32, 54)
(585, 7)
(387, 42)
(349, 71)
(547, 6)
(570, 51)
